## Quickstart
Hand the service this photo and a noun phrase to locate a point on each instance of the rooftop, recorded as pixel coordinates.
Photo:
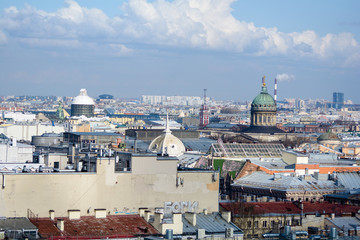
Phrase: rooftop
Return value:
(121, 226)
(260, 208)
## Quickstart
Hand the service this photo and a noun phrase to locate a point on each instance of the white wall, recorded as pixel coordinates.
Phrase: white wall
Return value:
(25, 132)
(16, 154)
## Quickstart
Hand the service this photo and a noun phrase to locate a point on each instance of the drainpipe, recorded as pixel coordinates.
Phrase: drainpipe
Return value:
(3, 181)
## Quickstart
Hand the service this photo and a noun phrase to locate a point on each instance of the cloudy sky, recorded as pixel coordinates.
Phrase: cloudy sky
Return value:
(130, 48)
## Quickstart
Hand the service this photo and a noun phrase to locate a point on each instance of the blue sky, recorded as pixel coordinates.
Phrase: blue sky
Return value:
(131, 48)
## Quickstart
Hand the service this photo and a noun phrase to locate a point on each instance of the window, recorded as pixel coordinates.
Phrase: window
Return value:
(264, 224)
(249, 224)
(256, 224)
(272, 223)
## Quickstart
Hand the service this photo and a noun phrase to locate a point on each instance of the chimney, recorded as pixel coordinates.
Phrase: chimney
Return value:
(60, 224)
(227, 216)
(200, 233)
(191, 217)
(205, 211)
(147, 215)
(177, 218)
(158, 218)
(74, 214)
(100, 213)
(142, 212)
(52, 214)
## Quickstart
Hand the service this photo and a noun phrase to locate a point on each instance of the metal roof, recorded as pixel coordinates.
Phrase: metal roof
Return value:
(16, 223)
(351, 180)
(212, 223)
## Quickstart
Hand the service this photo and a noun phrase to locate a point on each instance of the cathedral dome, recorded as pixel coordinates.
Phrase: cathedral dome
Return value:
(167, 144)
(263, 101)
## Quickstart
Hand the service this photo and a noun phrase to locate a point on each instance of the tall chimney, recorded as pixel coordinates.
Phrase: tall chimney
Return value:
(275, 91)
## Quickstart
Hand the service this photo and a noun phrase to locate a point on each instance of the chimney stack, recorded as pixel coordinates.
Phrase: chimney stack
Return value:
(275, 91)
(52, 214)
(60, 224)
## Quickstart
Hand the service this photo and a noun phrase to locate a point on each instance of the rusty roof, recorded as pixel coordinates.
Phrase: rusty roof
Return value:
(89, 227)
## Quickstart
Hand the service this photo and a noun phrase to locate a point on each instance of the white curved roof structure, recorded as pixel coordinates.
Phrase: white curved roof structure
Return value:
(167, 144)
(83, 99)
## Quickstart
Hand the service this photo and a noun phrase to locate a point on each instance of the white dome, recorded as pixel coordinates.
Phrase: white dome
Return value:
(167, 144)
(83, 99)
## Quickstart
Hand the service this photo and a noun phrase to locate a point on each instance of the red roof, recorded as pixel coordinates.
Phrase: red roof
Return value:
(89, 227)
(259, 208)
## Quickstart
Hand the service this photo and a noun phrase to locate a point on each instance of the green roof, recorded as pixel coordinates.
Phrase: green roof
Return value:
(264, 100)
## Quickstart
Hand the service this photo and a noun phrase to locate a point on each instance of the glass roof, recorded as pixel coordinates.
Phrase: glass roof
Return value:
(247, 150)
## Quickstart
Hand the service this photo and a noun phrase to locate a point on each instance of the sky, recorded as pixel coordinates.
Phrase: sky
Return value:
(130, 48)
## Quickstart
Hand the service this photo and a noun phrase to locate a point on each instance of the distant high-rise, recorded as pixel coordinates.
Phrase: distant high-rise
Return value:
(338, 100)
(204, 113)
(82, 105)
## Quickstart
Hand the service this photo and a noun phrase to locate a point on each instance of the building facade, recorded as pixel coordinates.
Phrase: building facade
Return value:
(149, 182)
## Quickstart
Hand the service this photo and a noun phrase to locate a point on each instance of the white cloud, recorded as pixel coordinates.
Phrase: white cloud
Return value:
(202, 24)
(285, 77)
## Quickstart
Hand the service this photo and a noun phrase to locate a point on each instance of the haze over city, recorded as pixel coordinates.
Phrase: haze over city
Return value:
(138, 47)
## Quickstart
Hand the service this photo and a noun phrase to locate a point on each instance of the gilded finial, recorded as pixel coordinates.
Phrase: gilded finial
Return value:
(263, 81)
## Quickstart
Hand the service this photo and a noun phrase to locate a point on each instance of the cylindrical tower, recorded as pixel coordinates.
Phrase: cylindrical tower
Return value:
(83, 105)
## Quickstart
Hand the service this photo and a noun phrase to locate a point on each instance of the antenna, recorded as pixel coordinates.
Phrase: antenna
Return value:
(205, 96)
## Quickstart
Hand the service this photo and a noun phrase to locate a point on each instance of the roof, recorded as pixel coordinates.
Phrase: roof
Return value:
(285, 183)
(94, 133)
(114, 226)
(345, 223)
(16, 223)
(328, 136)
(248, 150)
(262, 129)
(212, 223)
(262, 208)
(351, 180)
(263, 101)
(83, 99)
(167, 143)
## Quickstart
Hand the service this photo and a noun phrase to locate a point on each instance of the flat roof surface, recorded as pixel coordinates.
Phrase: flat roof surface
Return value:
(94, 133)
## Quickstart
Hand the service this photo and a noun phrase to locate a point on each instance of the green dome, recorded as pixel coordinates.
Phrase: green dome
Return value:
(263, 101)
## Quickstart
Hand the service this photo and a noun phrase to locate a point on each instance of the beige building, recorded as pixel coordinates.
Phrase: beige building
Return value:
(148, 181)
(26, 131)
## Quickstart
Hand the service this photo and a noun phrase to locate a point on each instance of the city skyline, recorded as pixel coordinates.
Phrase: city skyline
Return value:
(137, 47)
